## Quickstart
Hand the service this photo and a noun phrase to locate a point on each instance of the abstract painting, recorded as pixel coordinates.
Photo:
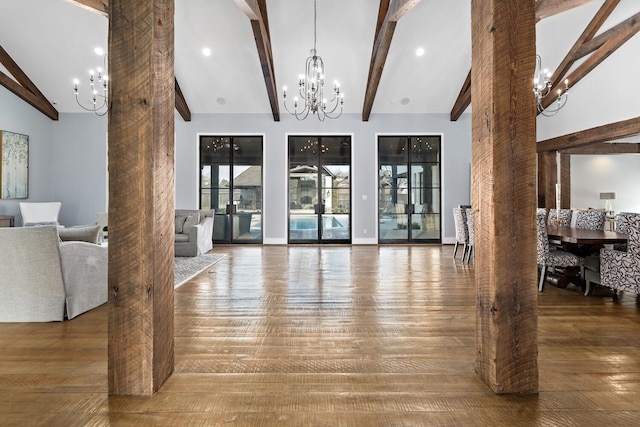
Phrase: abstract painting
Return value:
(14, 169)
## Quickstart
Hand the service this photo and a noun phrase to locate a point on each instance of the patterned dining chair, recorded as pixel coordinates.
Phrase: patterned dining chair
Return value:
(622, 226)
(619, 270)
(561, 217)
(590, 220)
(471, 231)
(548, 257)
(462, 233)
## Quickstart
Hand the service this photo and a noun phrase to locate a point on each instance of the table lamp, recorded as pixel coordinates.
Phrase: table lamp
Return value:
(607, 197)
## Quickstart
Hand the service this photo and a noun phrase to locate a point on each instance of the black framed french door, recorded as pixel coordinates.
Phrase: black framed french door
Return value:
(231, 185)
(319, 189)
(409, 196)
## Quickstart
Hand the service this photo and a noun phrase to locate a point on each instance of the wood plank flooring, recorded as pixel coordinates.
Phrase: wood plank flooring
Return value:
(332, 336)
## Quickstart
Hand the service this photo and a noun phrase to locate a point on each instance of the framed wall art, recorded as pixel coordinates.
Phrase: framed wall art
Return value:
(14, 168)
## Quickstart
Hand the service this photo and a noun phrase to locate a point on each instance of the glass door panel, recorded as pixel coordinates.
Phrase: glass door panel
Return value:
(409, 189)
(234, 165)
(319, 189)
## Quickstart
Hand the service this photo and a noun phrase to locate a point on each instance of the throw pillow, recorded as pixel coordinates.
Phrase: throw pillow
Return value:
(180, 219)
(192, 220)
(81, 233)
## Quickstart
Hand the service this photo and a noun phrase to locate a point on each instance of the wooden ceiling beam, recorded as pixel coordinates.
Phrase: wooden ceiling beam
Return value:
(463, 100)
(547, 8)
(592, 28)
(23, 87)
(388, 16)
(181, 104)
(96, 6)
(630, 28)
(102, 7)
(544, 9)
(596, 42)
(606, 148)
(604, 133)
(256, 11)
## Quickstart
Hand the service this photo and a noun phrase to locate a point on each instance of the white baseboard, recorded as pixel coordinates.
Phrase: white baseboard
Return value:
(276, 241)
(366, 241)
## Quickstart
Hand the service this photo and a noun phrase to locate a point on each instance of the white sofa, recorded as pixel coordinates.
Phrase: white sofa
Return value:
(43, 279)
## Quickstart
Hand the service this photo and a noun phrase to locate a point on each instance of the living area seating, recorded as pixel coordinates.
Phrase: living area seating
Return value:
(619, 270)
(42, 213)
(43, 279)
(193, 232)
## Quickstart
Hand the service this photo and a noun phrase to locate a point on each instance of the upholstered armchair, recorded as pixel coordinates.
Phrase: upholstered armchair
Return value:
(551, 257)
(622, 226)
(619, 270)
(462, 233)
(42, 213)
(193, 232)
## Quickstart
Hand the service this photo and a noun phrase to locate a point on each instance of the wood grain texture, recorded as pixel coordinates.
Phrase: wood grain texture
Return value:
(504, 199)
(332, 336)
(141, 177)
(606, 148)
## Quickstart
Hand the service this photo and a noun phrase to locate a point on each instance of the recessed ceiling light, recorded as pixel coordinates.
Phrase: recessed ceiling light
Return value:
(206, 51)
(420, 51)
(99, 51)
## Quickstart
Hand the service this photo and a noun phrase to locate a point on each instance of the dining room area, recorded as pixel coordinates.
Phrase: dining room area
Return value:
(575, 249)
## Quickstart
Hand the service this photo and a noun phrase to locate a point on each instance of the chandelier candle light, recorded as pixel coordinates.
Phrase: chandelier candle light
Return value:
(542, 84)
(98, 84)
(311, 88)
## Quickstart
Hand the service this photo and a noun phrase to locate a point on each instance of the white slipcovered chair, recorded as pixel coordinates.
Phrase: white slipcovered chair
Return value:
(41, 213)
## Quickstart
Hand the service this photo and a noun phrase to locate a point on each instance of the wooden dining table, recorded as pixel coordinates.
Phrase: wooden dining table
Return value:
(585, 237)
(581, 242)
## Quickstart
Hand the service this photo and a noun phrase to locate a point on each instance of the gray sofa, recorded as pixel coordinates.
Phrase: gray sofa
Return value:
(193, 232)
(43, 279)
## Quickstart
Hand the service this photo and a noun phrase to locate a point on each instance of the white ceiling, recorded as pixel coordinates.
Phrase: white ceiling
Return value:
(53, 41)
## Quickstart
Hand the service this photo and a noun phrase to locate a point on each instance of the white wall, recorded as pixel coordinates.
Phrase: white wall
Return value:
(456, 158)
(592, 175)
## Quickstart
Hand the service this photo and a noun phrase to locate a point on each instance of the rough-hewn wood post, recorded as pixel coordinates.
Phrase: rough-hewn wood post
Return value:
(565, 181)
(504, 197)
(141, 129)
(547, 179)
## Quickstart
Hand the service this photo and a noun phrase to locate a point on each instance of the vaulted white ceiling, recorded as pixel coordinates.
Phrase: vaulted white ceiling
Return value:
(53, 41)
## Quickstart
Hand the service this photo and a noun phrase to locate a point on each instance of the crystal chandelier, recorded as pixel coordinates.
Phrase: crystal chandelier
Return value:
(542, 88)
(98, 85)
(311, 88)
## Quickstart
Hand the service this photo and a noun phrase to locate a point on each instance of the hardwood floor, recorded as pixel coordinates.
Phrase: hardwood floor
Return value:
(332, 336)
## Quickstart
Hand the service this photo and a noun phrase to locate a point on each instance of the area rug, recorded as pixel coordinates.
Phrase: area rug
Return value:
(186, 268)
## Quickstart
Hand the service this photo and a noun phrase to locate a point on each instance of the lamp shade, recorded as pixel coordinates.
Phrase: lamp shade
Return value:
(607, 196)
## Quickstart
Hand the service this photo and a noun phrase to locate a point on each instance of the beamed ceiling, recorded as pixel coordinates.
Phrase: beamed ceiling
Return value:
(259, 46)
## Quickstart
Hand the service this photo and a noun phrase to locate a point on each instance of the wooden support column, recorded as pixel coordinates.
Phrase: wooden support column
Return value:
(141, 201)
(547, 179)
(565, 181)
(504, 198)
